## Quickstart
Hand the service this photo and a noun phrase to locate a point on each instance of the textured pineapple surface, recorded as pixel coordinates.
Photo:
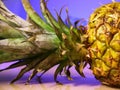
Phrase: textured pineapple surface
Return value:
(104, 40)
(41, 44)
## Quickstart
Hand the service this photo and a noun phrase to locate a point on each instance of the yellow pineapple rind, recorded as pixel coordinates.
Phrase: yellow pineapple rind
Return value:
(104, 40)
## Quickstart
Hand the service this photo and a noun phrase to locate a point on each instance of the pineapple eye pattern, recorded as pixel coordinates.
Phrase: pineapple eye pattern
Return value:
(39, 44)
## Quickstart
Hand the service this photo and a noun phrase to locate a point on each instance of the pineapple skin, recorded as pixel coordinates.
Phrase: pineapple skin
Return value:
(104, 40)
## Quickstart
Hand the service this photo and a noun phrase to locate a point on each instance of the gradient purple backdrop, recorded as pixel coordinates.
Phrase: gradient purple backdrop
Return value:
(77, 8)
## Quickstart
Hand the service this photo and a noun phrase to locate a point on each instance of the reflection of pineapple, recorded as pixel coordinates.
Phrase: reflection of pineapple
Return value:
(53, 43)
(104, 40)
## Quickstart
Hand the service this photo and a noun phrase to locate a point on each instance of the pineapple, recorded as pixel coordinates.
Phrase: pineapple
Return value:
(104, 41)
(41, 44)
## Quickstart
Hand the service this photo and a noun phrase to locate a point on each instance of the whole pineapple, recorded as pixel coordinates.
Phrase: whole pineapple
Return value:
(104, 41)
(41, 44)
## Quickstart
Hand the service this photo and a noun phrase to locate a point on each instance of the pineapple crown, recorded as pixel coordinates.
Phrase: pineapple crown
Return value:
(71, 47)
(48, 39)
(51, 42)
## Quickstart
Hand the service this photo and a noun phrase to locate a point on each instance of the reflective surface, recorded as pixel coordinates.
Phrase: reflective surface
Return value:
(78, 83)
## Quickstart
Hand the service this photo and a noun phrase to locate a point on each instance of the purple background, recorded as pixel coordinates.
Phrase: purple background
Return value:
(77, 8)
